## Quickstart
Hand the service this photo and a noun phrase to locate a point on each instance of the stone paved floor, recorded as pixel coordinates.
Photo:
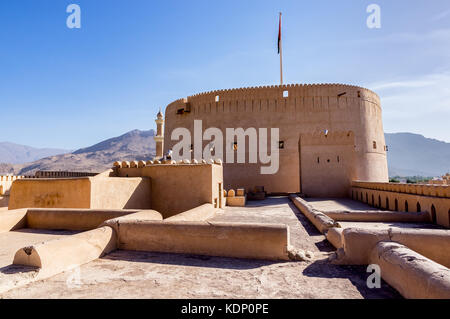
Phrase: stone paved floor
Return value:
(126, 274)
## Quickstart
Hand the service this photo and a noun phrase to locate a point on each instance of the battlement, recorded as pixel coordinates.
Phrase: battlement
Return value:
(142, 164)
(305, 97)
(282, 87)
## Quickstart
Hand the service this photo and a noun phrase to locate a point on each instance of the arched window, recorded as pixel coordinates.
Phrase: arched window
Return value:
(406, 206)
(419, 209)
(387, 203)
(396, 205)
(433, 214)
(379, 201)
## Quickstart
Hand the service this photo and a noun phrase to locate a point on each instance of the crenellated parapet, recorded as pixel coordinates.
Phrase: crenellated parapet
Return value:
(432, 199)
(413, 189)
(142, 164)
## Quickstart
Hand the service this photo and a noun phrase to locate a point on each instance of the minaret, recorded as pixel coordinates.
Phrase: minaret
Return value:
(159, 137)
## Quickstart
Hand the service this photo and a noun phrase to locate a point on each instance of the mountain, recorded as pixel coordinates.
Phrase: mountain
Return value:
(415, 155)
(409, 155)
(19, 154)
(134, 145)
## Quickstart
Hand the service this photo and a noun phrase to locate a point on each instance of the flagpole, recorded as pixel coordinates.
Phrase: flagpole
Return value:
(281, 56)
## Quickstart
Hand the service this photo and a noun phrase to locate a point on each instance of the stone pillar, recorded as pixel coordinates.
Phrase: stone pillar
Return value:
(159, 137)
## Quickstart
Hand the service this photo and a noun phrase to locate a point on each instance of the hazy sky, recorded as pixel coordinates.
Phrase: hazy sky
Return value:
(70, 88)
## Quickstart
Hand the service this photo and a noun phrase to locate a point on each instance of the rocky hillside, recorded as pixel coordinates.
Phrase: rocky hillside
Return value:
(19, 154)
(409, 155)
(415, 155)
(134, 145)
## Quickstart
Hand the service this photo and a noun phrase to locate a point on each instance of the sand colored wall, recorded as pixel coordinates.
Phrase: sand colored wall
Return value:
(200, 213)
(58, 255)
(176, 188)
(359, 243)
(100, 192)
(435, 200)
(379, 216)
(309, 109)
(410, 273)
(126, 193)
(261, 241)
(329, 159)
(12, 220)
(71, 219)
(51, 193)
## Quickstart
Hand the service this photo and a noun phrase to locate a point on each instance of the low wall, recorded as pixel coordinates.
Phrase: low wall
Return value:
(411, 274)
(99, 192)
(358, 244)
(50, 193)
(433, 199)
(321, 221)
(120, 193)
(200, 213)
(176, 188)
(74, 219)
(12, 220)
(378, 216)
(58, 255)
(260, 241)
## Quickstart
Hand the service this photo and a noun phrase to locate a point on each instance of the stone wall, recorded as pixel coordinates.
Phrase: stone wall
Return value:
(434, 199)
(178, 187)
(353, 114)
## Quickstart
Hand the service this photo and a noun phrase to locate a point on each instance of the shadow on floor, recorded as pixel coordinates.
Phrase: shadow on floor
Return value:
(357, 275)
(15, 269)
(188, 260)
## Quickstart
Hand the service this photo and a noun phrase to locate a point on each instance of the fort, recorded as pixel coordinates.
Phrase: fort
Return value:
(328, 206)
(353, 149)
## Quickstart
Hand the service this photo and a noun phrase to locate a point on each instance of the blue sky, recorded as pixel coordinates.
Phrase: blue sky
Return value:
(70, 88)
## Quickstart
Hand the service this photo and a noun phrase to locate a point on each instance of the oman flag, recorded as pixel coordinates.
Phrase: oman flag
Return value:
(279, 35)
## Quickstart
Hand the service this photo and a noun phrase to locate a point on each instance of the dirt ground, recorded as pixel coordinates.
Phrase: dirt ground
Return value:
(127, 274)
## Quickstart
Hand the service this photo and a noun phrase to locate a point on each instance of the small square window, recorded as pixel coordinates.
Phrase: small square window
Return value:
(281, 145)
(374, 145)
(285, 93)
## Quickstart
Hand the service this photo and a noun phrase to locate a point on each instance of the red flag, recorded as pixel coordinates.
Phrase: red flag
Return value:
(279, 35)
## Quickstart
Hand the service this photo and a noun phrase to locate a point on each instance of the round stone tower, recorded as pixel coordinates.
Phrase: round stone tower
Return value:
(159, 137)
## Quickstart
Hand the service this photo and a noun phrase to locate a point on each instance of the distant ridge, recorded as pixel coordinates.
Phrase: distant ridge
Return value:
(134, 145)
(19, 154)
(409, 155)
(415, 155)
